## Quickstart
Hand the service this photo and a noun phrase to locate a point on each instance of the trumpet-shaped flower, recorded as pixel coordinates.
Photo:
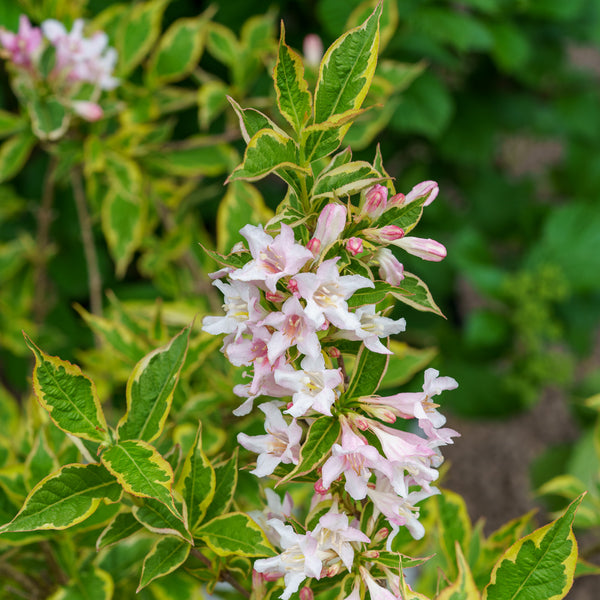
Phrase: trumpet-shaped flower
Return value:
(326, 293)
(281, 444)
(330, 224)
(427, 249)
(390, 268)
(272, 258)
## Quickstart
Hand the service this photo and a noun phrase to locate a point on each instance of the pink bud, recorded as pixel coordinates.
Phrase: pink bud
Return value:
(90, 111)
(425, 189)
(330, 224)
(390, 268)
(396, 200)
(354, 245)
(275, 296)
(427, 249)
(371, 554)
(319, 487)
(381, 535)
(306, 593)
(333, 352)
(375, 201)
(312, 47)
(333, 570)
(292, 285)
(314, 245)
(384, 235)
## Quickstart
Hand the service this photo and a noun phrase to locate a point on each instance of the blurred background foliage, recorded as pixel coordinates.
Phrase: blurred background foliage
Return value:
(497, 100)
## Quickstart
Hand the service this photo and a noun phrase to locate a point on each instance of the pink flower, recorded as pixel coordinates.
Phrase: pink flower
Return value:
(281, 444)
(326, 293)
(375, 201)
(376, 592)
(390, 268)
(354, 458)
(272, 258)
(427, 249)
(293, 328)
(354, 245)
(22, 47)
(314, 386)
(90, 111)
(372, 327)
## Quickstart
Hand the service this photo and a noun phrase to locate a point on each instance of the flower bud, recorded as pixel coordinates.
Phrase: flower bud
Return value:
(314, 245)
(354, 245)
(276, 296)
(292, 285)
(390, 268)
(375, 201)
(371, 554)
(306, 593)
(381, 535)
(330, 224)
(427, 249)
(312, 48)
(334, 352)
(333, 570)
(425, 189)
(384, 235)
(396, 200)
(319, 487)
(90, 111)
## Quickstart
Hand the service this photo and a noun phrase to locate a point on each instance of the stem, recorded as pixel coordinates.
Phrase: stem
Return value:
(89, 249)
(225, 575)
(44, 220)
(342, 366)
(22, 579)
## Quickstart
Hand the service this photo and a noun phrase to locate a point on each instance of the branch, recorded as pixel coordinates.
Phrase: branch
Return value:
(89, 249)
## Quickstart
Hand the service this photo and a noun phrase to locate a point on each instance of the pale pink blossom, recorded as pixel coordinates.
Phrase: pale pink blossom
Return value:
(293, 328)
(354, 458)
(272, 258)
(326, 293)
(312, 48)
(23, 47)
(427, 249)
(314, 386)
(281, 444)
(334, 532)
(276, 509)
(244, 351)
(299, 559)
(241, 305)
(375, 201)
(330, 224)
(397, 444)
(376, 592)
(390, 268)
(373, 326)
(428, 189)
(354, 245)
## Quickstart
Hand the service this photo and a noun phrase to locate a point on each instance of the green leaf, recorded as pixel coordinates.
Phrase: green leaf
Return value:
(212, 100)
(346, 179)
(138, 34)
(150, 390)
(49, 118)
(156, 517)
(10, 123)
(122, 526)
(14, 153)
(293, 98)
(91, 584)
(414, 292)
(367, 374)
(540, 565)
(252, 121)
(142, 471)
(464, 587)
(123, 223)
(68, 395)
(223, 44)
(208, 159)
(323, 433)
(65, 498)
(267, 151)
(226, 476)
(198, 481)
(235, 533)
(242, 204)
(347, 69)
(41, 460)
(404, 216)
(166, 555)
(178, 52)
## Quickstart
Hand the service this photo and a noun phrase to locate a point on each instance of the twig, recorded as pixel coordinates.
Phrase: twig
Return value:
(44, 220)
(89, 249)
(58, 574)
(20, 578)
(225, 575)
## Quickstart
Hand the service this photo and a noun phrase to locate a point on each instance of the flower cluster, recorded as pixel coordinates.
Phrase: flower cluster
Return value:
(62, 60)
(288, 306)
